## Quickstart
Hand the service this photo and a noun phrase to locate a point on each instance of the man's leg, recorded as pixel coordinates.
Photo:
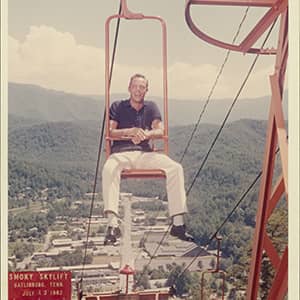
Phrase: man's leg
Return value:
(111, 184)
(174, 179)
(175, 189)
(111, 174)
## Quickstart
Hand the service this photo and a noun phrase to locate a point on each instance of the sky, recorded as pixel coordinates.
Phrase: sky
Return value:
(60, 45)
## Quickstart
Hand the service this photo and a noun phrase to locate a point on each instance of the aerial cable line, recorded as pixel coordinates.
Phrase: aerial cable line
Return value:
(157, 247)
(213, 86)
(152, 255)
(236, 206)
(100, 148)
(198, 121)
(255, 180)
(222, 224)
(226, 219)
(229, 111)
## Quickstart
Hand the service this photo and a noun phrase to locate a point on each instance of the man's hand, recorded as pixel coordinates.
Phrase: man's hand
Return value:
(135, 131)
(136, 140)
(138, 135)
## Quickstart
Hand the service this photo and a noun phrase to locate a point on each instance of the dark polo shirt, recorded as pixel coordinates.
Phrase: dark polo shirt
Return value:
(127, 117)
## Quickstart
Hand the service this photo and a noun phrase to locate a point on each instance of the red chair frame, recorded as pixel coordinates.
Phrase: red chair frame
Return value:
(126, 14)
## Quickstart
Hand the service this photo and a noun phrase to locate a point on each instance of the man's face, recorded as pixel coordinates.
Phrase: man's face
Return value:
(138, 89)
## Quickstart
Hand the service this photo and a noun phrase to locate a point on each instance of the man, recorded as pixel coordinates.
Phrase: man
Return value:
(139, 120)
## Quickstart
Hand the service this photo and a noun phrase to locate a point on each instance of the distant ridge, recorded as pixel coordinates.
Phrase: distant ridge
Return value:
(37, 103)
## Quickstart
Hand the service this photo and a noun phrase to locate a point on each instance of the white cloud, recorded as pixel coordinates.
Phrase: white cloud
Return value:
(54, 59)
(259, 83)
(193, 81)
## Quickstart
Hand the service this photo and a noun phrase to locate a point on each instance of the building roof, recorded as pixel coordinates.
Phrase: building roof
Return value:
(73, 268)
(61, 242)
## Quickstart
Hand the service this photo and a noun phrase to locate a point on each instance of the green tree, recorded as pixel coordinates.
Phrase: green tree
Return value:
(232, 294)
(21, 250)
(179, 279)
(200, 264)
(158, 273)
(213, 285)
(71, 259)
(141, 279)
(212, 263)
(277, 229)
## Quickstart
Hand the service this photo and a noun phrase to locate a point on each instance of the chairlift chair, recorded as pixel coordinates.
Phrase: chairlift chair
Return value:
(136, 173)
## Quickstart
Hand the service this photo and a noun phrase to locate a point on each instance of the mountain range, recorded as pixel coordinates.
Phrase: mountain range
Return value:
(39, 104)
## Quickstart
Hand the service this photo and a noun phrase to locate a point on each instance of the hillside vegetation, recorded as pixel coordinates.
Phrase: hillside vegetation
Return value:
(63, 155)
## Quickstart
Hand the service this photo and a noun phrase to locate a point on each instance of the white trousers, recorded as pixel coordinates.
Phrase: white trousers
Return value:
(114, 165)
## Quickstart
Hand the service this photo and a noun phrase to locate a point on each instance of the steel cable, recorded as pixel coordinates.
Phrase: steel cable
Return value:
(197, 124)
(218, 134)
(213, 86)
(100, 149)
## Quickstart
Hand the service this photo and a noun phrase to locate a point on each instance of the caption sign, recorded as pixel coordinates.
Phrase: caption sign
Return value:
(54, 285)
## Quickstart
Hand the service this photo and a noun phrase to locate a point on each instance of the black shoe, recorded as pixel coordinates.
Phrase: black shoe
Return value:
(180, 232)
(172, 291)
(111, 236)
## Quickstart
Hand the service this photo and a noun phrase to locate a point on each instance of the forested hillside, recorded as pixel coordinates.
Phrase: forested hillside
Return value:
(64, 154)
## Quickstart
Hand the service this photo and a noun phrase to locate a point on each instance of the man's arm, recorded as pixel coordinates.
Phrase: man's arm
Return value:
(137, 135)
(125, 132)
(157, 129)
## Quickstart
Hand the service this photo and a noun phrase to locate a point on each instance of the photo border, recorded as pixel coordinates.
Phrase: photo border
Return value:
(293, 107)
(3, 159)
(293, 151)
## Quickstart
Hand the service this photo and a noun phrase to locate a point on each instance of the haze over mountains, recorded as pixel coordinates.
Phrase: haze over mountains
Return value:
(40, 104)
